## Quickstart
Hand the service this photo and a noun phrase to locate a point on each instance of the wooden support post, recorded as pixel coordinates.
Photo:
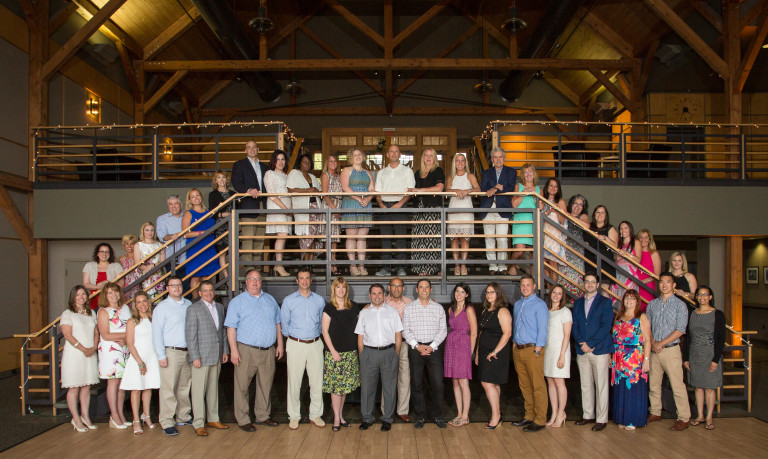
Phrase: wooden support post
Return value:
(734, 278)
(731, 90)
(389, 98)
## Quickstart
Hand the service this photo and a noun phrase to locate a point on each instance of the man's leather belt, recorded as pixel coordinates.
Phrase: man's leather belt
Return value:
(305, 341)
(177, 348)
(380, 348)
(523, 346)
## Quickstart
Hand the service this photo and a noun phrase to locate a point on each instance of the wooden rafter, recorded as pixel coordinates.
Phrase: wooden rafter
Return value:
(594, 88)
(389, 98)
(179, 26)
(110, 29)
(562, 88)
(612, 88)
(491, 29)
(81, 36)
(330, 50)
(650, 57)
(389, 64)
(15, 182)
(610, 36)
(356, 22)
(213, 92)
(708, 13)
(415, 25)
(130, 73)
(668, 15)
(751, 53)
(61, 16)
(164, 89)
(17, 221)
(752, 14)
(291, 27)
(682, 9)
(380, 111)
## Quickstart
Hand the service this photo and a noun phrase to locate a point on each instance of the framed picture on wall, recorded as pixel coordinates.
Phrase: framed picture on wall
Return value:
(752, 273)
(765, 275)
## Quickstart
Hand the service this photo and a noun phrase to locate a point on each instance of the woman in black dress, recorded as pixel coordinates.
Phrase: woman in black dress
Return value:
(685, 282)
(605, 233)
(492, 356)
(430, 178)
(221, 192)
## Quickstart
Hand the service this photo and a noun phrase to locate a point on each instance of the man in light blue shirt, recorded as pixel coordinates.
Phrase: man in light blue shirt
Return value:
(531, 318)
(168, 228)
(169, 339)
(301, 315)
(255, 340)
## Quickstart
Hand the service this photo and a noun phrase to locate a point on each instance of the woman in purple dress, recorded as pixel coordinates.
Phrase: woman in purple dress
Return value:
(458, 350)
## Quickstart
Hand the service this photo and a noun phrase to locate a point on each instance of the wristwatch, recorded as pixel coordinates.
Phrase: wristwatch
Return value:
(538, 353)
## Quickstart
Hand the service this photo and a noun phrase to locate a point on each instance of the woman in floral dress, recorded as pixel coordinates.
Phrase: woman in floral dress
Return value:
(111, 319)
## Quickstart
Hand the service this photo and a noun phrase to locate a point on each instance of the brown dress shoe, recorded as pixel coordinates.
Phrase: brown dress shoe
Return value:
(404, 417)
(247, 428)
(583, 422)
(269, 422)
(599, 426)
(201, 432)
(217, 425)
(679, 425)
(653, 418)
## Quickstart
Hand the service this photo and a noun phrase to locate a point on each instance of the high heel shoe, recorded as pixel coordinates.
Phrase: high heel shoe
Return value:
(114, 425)
(148, 421)
(558, 425)
(464, 271)
(137, 430)
(84, 429)
(282, 272)
(86, 424)
(353, 270)
(363, 271)
(498, 424)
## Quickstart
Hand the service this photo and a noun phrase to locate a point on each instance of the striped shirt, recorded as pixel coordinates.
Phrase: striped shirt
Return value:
(666, 317)
(424, 324)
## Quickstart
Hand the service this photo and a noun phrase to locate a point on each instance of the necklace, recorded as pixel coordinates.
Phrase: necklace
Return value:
(487, 314)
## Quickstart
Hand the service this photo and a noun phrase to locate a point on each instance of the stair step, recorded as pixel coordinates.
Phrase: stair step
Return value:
(733, 373)
(731, 359)
(39, 377)
(32, 364)
(39, 390)
(733, 386)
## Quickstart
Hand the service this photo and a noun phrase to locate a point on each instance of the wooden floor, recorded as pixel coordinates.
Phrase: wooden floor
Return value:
(733, 437)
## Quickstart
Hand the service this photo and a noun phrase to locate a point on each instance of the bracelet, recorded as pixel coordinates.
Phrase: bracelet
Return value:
(77, 343)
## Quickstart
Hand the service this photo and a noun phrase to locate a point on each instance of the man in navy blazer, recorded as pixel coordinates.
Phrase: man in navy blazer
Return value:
(497, 179)
(248, 177)
(592, 323)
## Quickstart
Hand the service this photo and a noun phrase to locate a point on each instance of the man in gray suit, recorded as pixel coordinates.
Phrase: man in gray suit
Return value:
(208, 349)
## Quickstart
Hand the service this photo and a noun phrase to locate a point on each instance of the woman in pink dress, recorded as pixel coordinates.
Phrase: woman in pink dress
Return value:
(458, 350)
(629, 249)
(651, 261)
(127, 262)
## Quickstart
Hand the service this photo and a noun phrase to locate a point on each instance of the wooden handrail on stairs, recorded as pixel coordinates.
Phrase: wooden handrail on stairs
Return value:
(741, 366)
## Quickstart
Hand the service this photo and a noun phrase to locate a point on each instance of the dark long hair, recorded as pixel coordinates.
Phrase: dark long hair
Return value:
(551, 305)
(631, 235)
(273, 160)
(558, 195)
(73, 294)
(501, 299)
(467, 302)
(593, 225)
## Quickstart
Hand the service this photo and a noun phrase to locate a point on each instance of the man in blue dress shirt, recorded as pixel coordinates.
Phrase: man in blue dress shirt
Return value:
(255, 340)
(530, 336)
(301, 315)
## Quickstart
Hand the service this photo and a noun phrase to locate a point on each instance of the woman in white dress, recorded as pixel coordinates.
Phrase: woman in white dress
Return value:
(79, 369)
(147, 245)
(111, 320)
(462, 182)
(142, 370)
(303, 181)
(275, 181)
(557, 354)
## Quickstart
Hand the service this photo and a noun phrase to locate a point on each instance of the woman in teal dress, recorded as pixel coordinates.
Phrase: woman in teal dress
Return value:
(630, 365)
(198, 256)
(355, 179)
(528, 180)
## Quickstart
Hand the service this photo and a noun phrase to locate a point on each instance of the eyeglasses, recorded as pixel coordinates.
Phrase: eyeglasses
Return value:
(702, 294)
(489, 292)
(104, 251)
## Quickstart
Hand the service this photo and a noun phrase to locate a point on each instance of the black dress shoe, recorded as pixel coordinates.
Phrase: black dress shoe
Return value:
(247, 428)
(385, 426)
(532, 427)
(418, 424)
(599, 426)
(269, 422)
(583, 422)
(365, 425)
(522, 423)
(440, 423)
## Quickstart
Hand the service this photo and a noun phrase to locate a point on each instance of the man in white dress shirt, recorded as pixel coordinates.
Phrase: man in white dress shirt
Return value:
(396, 178)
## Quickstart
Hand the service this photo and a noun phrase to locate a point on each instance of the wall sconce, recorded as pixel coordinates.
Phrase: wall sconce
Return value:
(93, 107)
(166, 149)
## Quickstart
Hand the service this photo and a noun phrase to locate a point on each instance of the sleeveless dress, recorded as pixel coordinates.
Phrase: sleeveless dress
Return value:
(524, 228)
(296, 180)
(625, 282)
(359, 181)
(497, 370)
(701, 333)
(275, 182)
(555, 343)
(111, 355)
(647, 262)
(630, 384)
(334, 186)
(681, 283)
(77, 370)
(426, 245)
(131, 277)
(554, 239)
(206, 258)
(604, 251)
(572, 279)
(458, 348)
(132, 377)
(146, 249)
(461, 182)
(215, 198)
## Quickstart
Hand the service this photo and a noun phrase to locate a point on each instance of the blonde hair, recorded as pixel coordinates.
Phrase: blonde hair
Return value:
(533, 169)
(423, 166)
(453, 166)
(651, 242)
(144, 225)
(216, 175)
(351, 155)
(188, 204)
(325, 164)
(336, 282)
(135, 314)
(130, 238)
(685, 261)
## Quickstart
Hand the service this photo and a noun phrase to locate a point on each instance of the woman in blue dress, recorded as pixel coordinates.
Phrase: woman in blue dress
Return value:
(528, 180)
(201, 255)
(356, 179)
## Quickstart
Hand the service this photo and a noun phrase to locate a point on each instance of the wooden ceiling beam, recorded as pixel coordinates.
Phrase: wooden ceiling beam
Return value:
(492, 30)
(113, 31)
(291, 27)
(213, 92)
(751, 52)
(668, 15)
(562, 88)
(381, 111)
(17, 221)
(356, 22)
(81, 36)
(15, 182)
(610, 36)
(329, 49)
(389, 50)
(423, 19)
(708, 13)
(753, 14)
(682, 9)
(650, 57)
(130, 73)
(164, 89)
(617, 92)
(594, 88)
(389, 64)
(61, 16)
(171, 33)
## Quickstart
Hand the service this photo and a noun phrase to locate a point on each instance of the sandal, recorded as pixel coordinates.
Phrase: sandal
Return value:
(463, 270)
(710, 426)
(463, 422)
(696, 422)
(137, 430)
(336, 428)
(455, 422)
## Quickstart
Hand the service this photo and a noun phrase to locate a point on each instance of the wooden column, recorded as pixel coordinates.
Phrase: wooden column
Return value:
(732, 89)
(734, 281)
